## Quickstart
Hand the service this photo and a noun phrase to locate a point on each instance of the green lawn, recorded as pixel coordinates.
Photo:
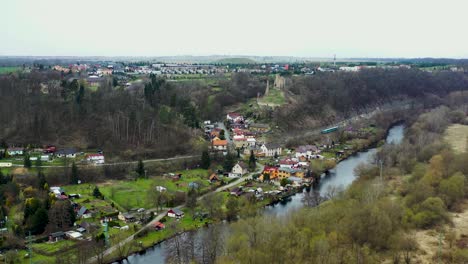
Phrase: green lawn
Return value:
(5, 70)
(274, 97)
(52, 248)
(134, 194)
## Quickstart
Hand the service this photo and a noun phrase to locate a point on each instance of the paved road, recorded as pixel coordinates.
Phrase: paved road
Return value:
(164, 212)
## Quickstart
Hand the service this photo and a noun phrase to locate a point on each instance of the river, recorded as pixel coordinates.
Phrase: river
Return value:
(341, 177)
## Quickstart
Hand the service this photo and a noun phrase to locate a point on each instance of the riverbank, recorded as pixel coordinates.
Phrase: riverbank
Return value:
(292, 199)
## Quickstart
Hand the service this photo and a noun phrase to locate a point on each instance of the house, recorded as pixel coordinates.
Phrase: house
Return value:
(219, 144)
(95, 158)
(214, 178)
(237, 191)
(44, 157)
(259, 128)
(234, 117)
(271, 149)
(240, 142)
(57, 236)
(307, 151)
(271, 171)
(175, 213)
(288, 163)
(159, 226)
(290, 172)
(127, 217)
(238, 170)
(74, 235)
(251, 141)
(15, 151)
(83, 213)
(66, 153)
(215, 132)
(81, 229)
(295, 181)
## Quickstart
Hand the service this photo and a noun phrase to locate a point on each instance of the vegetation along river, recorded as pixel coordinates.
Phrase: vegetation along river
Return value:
(339, 177)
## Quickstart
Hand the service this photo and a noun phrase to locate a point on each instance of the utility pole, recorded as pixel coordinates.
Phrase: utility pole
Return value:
(441, 236)
(29, 247)
(381, 168)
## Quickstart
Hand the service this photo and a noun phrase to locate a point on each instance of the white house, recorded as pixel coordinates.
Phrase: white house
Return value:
(238, 170)
(270, 149)
(307, 151)
(68, 153)
(95, 158)
(15, 151)
(252, 142)
(175, 213)
(234, 117)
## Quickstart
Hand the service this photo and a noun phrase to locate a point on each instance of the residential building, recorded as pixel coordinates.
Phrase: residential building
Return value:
(175, 213)
(66, 153)
(238, 170)
(95, 158)
(15, 151)
(219, 144)
(271, 149)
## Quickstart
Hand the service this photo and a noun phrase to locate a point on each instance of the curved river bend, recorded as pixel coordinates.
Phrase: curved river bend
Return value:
(341, 176)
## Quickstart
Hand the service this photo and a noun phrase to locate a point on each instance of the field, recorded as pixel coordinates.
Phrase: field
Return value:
(457, 135)
(134, 194)
(5, 70)
(275, 97)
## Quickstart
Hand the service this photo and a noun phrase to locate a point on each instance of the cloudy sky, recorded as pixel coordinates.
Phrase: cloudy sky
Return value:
(310, 28)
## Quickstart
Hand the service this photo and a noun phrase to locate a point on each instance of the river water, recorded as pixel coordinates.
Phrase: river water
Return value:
(339, 177)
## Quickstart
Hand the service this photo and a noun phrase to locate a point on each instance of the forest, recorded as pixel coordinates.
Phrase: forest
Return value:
(160, 120)
(329, 97)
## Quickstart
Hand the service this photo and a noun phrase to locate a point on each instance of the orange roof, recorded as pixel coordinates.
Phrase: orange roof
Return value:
(220, 143)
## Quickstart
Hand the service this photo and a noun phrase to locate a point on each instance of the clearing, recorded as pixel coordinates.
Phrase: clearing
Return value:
(457, 135)
(274, 98)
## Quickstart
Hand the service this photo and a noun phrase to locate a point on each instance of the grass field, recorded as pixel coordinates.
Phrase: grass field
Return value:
(134, 194)
(5, 70)
(457, 135)
(275, 97)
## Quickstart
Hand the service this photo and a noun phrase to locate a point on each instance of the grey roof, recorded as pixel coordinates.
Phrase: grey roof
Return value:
(57, 234)
(82, 211)
(272, 145)
(66, 151)
(177, 211)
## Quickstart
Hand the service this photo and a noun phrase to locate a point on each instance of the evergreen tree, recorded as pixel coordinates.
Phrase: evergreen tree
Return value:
(222, 135)
(140, 169)
(41, 180)
(96, 192)
(80, 95)
(39, 221)
(38, 163)
(229, 162)
(74, 174)
(191, 201)
(205, 160)
(252, 161)
(27, 161)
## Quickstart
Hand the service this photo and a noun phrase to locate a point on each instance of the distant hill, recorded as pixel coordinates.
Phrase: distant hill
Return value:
(236, 61)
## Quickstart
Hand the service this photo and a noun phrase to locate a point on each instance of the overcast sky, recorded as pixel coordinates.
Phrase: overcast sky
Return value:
(309, 28)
